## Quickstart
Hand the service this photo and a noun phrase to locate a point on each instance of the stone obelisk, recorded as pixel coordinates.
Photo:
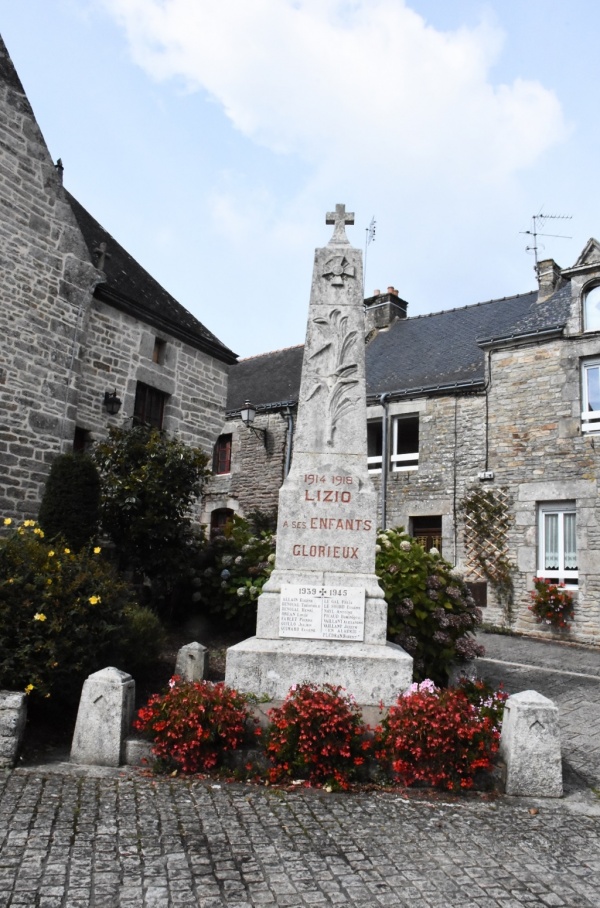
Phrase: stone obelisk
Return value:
(322, 616)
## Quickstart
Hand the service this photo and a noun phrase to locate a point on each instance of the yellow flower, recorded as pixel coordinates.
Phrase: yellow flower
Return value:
(51, 553)
(97, 550)
(94, 600)
(29, 523)
(29, 688)
(11, 579)
(39, 616)
(7, 521)
(67, 551)
(39, 532)
(54, 665)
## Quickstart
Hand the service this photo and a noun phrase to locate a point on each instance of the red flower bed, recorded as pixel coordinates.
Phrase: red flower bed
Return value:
(436, 738)
(316, 735)
(192, 724)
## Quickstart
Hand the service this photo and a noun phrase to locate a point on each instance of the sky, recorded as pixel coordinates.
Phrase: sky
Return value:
(211, 138)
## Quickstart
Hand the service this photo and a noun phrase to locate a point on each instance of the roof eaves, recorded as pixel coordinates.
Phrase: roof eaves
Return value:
(429, 390)
(507, 340)
(263, 408)
(108, 295)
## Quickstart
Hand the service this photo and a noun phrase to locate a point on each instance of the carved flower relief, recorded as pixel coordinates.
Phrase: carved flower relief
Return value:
(335, 371)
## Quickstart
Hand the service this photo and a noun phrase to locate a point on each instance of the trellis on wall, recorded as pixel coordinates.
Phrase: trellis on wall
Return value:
(487, 518)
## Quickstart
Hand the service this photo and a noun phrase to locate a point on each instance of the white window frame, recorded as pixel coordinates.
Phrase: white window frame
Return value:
(589, 295)
(565, 513)
(403, 462)
(375, 461)
(590, 419)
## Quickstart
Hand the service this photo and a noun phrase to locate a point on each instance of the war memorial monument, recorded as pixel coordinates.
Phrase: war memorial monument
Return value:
(322, 615)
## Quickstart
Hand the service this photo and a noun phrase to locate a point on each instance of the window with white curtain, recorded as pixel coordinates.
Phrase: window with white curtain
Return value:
(557, 558)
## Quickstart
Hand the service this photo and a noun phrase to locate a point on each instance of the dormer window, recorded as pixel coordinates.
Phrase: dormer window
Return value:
(591, 310)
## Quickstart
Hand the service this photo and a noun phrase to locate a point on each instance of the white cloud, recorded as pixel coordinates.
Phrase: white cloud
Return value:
(328, 79)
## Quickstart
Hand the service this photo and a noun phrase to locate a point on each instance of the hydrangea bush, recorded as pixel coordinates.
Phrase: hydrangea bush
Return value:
(231, 570)
(431, 612)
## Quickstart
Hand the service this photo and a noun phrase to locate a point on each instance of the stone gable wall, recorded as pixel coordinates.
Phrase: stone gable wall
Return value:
(47, 285)
(538, 452)
(117, 354)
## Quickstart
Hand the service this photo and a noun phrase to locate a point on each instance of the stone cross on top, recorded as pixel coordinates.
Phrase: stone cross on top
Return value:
(340, 217)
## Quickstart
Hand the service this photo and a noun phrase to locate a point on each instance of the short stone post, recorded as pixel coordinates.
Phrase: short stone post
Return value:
(13, 715)
(191, 662)
(104, 718)
(530, 746)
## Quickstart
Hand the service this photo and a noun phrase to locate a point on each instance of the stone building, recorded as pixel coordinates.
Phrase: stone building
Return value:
(82, 325)
(484, 437)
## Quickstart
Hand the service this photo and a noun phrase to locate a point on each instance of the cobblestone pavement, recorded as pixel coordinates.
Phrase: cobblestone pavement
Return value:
(97, 838)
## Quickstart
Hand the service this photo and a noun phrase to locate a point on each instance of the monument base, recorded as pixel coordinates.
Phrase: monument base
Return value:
(373, 673)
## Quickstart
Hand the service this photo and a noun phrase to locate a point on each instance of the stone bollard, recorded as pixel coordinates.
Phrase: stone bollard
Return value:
(530, 746)
(104, 718)
(191, 662)
(13, 714)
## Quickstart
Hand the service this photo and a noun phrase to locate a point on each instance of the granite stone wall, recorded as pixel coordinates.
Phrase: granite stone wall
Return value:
(47, 285)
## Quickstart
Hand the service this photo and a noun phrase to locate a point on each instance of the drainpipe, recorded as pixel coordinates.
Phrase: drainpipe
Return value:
(383, 400)
(287, 414)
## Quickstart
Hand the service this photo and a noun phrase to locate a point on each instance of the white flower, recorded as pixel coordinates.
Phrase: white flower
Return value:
(271, 559)
(377, 548)
(434, 551)
(238, 560)
(405, 545)
(241, 591)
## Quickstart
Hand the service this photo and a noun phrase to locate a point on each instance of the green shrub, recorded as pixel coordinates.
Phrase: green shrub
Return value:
(149, 483)
(61, 613)
(231, 570)
(431, 613)
(71, 503)
(140, 641)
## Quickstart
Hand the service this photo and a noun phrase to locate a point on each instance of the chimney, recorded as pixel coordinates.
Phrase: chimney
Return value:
(549, 278)
(382, 309)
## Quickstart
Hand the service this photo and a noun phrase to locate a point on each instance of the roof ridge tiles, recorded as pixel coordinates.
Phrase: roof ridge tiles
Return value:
(245, 359)
(499, 299)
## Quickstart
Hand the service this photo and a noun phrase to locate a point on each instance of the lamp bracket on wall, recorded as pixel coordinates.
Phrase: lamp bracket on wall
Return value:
(247, 415)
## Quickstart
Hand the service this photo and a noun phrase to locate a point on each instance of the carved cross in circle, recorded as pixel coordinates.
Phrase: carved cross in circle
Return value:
(340, 217)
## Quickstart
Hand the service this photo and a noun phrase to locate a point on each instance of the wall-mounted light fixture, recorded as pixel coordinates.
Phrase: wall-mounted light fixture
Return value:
(247, 415)
(112, 403)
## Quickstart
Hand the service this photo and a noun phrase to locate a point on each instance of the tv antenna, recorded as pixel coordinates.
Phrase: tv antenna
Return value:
(534, 232)
(369, 238)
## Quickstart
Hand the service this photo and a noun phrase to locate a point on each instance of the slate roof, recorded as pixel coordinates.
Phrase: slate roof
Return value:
(130, 288)
(268, 380)
(421, 355)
